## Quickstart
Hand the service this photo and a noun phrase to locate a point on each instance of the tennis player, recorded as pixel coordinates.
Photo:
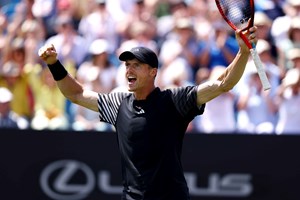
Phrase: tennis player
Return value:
(150, 122)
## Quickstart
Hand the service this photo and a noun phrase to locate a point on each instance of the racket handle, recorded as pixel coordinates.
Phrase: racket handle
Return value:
(260, 70)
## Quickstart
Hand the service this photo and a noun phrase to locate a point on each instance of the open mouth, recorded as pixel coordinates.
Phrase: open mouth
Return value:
(131, 80)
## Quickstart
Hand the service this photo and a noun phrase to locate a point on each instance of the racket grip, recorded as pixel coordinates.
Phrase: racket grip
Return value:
(260, 70)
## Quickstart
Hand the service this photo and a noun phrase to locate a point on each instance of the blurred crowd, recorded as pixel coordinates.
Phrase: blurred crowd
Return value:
(193, 43)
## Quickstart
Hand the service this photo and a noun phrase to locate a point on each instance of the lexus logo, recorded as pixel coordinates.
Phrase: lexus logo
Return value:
(58, 180)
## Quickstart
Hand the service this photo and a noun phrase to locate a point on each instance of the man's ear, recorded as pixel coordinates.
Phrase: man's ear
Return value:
(153, 72)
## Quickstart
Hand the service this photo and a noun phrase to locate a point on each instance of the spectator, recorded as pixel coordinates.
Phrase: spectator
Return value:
(46, 11)
(219, 49)
(138, 34)
(293, 56)
(15, 52)
(272, 8)
(183, 55)
(176, 74)
(3, 36)
(49, 108)
(165, 24)
(256, 109)
(139, 13)
(288, 102)
(24, 35)
(203, 11)
(294, 33)
(34, 37)
(8, 118)
(281, 25)
(99, 63)
(17, 82)
(264, 23)
(99, 24)
(71, 46)
(292, 41)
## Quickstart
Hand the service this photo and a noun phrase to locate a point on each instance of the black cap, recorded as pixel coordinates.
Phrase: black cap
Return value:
(142, 54)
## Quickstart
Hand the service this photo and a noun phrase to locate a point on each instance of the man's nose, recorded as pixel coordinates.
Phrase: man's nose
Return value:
(129, 68)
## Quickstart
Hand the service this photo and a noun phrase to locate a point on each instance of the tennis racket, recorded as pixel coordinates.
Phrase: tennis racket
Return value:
(239, 14)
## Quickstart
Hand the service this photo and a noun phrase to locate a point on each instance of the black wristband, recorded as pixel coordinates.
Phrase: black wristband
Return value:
(58, 71)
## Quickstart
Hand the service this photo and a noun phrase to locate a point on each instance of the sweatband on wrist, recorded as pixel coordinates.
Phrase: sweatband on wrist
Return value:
(58, 71)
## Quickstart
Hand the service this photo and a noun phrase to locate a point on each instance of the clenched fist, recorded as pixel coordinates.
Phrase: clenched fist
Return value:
(48, 54)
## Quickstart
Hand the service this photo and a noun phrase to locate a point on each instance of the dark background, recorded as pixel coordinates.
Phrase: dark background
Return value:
(271, 161)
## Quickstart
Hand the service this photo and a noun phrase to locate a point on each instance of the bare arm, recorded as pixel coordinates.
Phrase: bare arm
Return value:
(211, 89)
(68, 85)
(74, 91)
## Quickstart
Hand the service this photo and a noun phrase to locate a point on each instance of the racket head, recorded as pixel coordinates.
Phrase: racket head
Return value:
(239, 14)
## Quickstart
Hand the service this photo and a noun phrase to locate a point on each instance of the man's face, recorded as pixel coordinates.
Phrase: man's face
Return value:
(139, 75)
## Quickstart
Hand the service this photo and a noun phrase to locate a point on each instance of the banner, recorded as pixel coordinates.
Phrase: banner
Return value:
(53, 165)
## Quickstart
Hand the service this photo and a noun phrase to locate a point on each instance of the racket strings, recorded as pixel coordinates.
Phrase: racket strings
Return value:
(237, 12)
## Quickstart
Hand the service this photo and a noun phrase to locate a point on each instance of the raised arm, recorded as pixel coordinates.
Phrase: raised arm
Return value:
(67, 84)
(211, 89)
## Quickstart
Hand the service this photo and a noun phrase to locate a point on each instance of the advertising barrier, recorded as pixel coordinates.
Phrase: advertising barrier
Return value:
(53, 165)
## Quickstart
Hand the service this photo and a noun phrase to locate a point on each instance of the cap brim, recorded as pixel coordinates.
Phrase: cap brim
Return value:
(126, 55)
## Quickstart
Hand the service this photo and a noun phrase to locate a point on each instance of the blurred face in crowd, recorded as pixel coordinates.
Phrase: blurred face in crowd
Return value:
(297, 10)
(11, 80)
(296, 63)
(263, 32)
(100, 59)
(185, 34)
(296, 87)
(4, 108)
(292, 10)
(18, 55)
(265, 56)
(295, 35)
